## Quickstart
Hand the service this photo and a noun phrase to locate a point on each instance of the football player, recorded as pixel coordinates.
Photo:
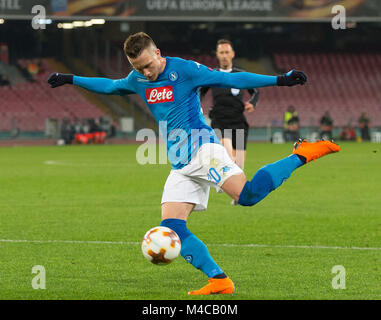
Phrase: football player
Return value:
(169, 87)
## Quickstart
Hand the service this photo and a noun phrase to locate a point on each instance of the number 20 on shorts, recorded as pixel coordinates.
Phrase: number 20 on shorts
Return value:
(214, 175)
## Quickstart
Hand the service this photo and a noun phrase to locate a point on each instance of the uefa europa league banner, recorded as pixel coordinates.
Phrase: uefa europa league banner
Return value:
(193, 9)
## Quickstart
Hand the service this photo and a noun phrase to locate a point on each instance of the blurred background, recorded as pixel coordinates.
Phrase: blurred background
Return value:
(342, 99)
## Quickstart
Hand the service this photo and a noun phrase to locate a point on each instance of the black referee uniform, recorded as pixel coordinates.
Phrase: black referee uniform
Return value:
(228, 108)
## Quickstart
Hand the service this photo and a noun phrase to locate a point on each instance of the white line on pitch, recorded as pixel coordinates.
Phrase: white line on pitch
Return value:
(86, 164)
(54, 162)
(249, 245)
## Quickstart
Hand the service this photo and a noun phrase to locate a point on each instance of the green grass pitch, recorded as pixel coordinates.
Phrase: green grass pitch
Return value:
(89, 207)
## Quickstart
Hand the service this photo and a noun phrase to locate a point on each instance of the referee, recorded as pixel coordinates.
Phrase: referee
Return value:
(228, 108)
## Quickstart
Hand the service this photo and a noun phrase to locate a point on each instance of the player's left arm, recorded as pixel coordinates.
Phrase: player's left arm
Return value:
(203, 76)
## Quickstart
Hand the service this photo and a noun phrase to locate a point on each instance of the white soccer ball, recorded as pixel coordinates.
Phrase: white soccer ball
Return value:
(161, 245)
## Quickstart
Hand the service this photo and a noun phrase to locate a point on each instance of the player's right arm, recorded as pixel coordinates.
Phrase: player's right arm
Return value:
(98, 85)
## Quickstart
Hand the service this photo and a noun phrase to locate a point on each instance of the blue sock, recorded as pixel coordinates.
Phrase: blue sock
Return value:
(193, 250)
(267, 179)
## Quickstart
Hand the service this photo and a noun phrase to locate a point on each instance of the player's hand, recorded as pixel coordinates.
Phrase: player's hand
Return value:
(59, 79)
(249, 107)
(292, 78)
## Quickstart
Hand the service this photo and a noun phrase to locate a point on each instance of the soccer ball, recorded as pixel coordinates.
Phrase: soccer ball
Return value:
(161, 245)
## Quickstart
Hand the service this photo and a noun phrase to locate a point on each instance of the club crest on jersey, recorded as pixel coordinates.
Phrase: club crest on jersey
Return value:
(159, 95)
(173, 76)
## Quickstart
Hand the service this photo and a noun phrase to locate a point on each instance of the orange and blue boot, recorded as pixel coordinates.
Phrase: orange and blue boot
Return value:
(314, 150)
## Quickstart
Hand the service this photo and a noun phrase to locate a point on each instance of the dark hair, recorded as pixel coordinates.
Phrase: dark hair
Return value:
(224, 41)
(136, 43)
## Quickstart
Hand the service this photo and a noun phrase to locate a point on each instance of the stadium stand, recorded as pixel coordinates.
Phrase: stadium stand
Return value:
(346, 84)
(330, 76)
(31, 102)
(117, 67)
(343, 83)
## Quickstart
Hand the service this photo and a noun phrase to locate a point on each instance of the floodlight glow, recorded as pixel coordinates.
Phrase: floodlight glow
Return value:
(67, 26)
(98, 21)
(78, 23)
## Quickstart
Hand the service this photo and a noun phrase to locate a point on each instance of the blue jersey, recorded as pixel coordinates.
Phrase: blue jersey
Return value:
(174, 101)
